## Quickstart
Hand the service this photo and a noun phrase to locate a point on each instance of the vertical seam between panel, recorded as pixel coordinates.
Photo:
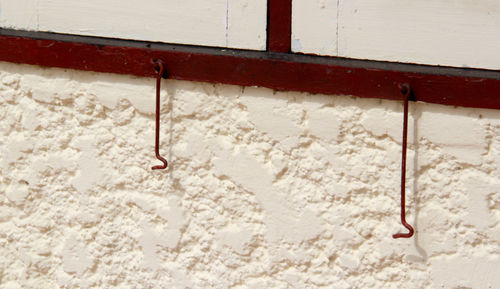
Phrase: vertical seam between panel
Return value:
(227, 23)
(337, 31)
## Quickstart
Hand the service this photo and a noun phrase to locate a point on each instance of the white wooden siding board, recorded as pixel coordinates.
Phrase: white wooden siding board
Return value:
(188, 21)
(197, 22)
(247, 24)
(461, 33)
(18, 14)
(314, 26)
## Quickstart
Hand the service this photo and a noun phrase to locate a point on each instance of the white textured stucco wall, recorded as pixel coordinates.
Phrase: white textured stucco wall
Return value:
(265, 189)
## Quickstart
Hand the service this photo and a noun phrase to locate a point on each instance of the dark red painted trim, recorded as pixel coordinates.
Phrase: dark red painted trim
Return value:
(279, 25)
(472, 88)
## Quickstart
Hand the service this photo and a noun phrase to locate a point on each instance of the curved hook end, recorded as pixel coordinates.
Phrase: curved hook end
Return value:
(405, 235)
(160, 167)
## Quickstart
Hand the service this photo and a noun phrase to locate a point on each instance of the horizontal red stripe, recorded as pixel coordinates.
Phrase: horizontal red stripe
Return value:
(276, 71)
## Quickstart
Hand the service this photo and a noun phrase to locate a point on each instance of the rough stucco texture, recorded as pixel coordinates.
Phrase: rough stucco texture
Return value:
(265, 189)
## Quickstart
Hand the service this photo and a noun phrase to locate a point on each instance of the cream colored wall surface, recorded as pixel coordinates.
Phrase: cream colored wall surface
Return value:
(460, 33)
(264, 190)
(222, 23)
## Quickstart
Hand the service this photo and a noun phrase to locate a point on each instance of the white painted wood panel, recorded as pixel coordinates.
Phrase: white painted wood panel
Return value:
(314, 26)
(222, 23)
(18, 14)
(247, 24)
(462, 33)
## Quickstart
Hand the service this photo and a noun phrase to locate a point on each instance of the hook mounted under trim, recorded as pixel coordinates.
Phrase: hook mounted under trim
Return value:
(159, 67)
(406, 91)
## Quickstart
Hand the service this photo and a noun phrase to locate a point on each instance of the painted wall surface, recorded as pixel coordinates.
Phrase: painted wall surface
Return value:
(264, 190)
(222, 23)
(461, 33)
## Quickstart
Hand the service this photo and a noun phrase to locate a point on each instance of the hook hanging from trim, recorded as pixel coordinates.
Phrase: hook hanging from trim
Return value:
(161, 71)
(406, 91)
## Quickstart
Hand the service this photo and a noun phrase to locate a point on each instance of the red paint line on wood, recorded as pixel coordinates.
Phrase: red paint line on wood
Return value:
(252, 71)
(279, 25)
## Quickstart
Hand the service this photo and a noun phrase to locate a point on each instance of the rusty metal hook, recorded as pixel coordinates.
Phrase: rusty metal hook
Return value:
(406, 91)
(161, 71)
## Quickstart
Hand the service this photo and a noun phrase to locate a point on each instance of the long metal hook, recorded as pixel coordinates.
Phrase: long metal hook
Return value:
(161, 70)
(406, 91)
